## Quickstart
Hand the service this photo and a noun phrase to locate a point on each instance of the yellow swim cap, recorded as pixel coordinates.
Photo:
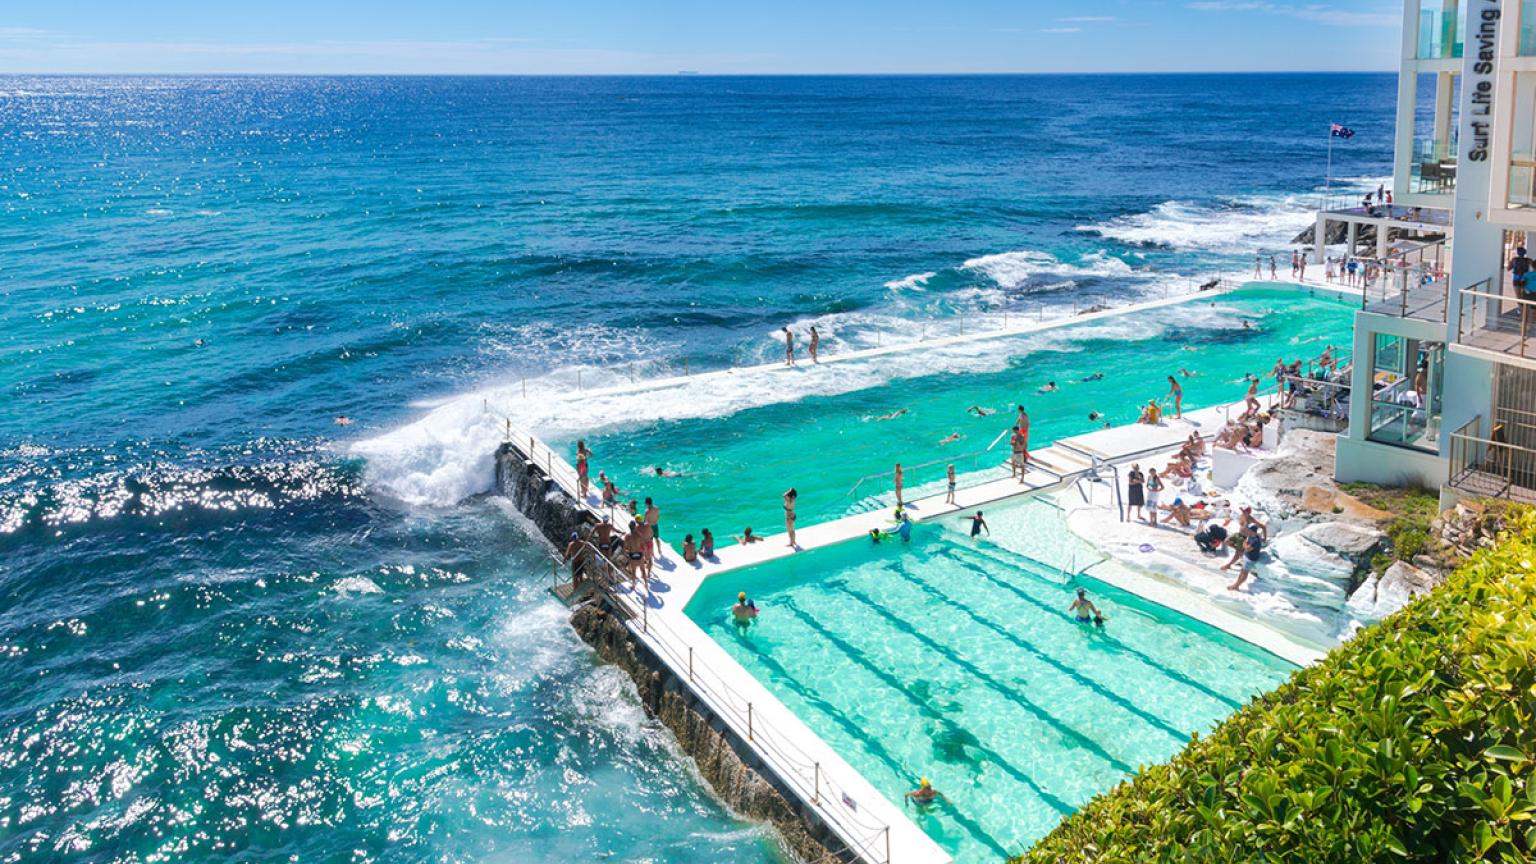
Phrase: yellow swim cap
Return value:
(923, 782)
(741, 595)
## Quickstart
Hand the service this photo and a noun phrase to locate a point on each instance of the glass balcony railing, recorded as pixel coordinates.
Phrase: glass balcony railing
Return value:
(1434, 167)
(1499, 318)
(1522, 180)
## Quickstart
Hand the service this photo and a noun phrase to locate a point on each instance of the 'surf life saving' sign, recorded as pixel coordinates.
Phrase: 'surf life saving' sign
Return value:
(1480, 115)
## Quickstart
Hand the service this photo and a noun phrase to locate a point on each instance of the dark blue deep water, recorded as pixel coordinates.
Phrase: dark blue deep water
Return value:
(231, 627)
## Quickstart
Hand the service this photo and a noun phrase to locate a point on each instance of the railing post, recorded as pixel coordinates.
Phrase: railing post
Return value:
(887, 844)
(749, 721)
(816, 798)
(690, 664)
(685, 365)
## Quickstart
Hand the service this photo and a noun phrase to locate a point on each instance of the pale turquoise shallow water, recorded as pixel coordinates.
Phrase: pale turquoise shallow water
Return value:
(956, 659)
(820, 435)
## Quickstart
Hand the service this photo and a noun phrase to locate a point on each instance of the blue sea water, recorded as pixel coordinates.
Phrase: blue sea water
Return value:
(229, 626)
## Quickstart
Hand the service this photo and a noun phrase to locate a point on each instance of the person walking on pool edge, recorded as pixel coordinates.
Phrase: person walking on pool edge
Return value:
(899, 502)
(1177, 393)
(949, 497)
(815, 344)
(789, 347)
(789, 515)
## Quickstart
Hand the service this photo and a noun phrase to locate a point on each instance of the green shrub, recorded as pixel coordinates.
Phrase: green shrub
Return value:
(1412, 742)
(1408, 542)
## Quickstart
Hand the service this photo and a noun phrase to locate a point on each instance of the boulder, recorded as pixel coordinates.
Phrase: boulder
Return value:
(1355, 543)
(1378, 597)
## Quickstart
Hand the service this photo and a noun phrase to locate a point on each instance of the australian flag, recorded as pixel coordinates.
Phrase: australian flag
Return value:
(1338, 131)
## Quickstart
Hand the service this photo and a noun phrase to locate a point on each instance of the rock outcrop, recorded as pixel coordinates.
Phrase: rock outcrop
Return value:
(723, 759)
(1380, 596)
(1297, 485)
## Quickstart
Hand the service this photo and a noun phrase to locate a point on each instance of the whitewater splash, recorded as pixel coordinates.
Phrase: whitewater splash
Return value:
(915, 282)
(1232, 225)
(447, 455)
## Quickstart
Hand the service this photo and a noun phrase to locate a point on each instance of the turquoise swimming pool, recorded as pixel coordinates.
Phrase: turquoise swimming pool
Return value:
(956, 659)
(818, 428)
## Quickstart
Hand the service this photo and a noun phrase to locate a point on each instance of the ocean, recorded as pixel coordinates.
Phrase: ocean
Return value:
(230, 626)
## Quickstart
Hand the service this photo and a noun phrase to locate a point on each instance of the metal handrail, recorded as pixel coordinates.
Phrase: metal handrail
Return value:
(804, 774)
(1465, 327)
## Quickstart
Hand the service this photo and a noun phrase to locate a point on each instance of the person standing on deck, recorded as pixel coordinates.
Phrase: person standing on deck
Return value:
(789, 514)
(815, 344)
(1258, 266)
(1154, 487)
(653, 522)
(1251, 401)
(899, 502)
(1295, 266)
(1016, 453)
(1023, 442)
(789, 347)
(949, 497)
(582, 481)
(1301, 265)
(1272, 273)
(1134, 490)
(1520, 270)
(1177, 393)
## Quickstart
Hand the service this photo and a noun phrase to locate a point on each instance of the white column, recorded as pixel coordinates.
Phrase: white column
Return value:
(1382, 232)
(1353, 234)
(1320, 237)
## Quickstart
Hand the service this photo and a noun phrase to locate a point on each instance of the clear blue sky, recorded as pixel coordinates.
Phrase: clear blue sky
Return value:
(710, 36)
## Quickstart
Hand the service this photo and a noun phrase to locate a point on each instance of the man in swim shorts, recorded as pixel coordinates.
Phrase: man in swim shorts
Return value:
(744, 612)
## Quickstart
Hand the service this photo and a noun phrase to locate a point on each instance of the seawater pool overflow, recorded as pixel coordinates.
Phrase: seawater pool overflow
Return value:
(539, 478)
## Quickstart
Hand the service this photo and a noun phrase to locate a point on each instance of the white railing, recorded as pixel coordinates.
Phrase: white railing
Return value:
(802, 773)
(1483, 311)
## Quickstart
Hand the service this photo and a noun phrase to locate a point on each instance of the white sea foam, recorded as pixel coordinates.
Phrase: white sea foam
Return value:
(446, 455)
(915, 282)
(1012, 270)
(356, 585)
(1233, 226)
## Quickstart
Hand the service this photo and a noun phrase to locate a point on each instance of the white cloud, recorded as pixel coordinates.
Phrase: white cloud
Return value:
(1062, 30)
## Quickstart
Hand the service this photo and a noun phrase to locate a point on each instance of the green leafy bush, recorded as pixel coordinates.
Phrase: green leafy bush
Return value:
(1412, 742)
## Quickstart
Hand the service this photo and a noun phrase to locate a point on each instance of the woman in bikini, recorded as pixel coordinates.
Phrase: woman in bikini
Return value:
(789, 515)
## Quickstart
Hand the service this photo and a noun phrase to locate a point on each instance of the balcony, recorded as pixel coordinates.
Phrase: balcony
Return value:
(1496, 322)
(1491, 467)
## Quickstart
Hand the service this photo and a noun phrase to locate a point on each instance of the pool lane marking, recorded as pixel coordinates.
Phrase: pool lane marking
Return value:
(858, 656)
(1180, 736)
(858, 734)
(1009, 693)
(1173, 674)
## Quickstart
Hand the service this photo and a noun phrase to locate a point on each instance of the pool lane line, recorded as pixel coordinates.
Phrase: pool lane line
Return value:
(858, 656)
(858, 734)
(1174, 674)
(1179, 736)
(1009, 693)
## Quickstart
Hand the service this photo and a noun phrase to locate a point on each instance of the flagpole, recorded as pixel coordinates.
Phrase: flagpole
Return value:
(1328, 178)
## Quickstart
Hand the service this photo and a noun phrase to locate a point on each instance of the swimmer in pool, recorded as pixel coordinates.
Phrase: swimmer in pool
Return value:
(1098, 417)
(979, 411)
(1084, 609)
(664, 472)
(891, 416)
(1050, 387)
(745, 611)
(1097, 376)
(924, 795)
(950, 440)
(978, 525)
(1186, 373)
(343, 420)
(748, 537)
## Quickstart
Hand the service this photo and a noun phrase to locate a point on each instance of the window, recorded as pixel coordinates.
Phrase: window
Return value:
(1440, 26)
(1436, 97)
(1406, 377)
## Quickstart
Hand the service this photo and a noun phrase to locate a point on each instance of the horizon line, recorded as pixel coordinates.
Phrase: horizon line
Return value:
(688, 73)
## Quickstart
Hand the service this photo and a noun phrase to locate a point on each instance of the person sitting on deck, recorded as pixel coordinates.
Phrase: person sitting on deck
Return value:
(1186, 515)
(1152, 414)
(744, 612)
(690, 552)
(707, 544)
(924, 795)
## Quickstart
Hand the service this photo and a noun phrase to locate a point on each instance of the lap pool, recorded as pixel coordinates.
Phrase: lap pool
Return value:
(956, 659)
